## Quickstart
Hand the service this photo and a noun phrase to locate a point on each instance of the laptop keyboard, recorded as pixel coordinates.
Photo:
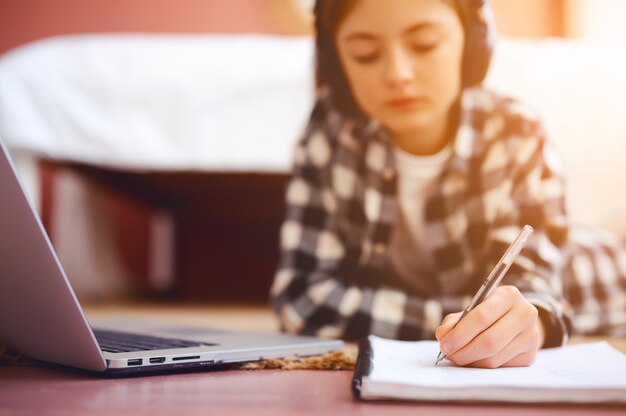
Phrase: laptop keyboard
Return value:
(112, 341)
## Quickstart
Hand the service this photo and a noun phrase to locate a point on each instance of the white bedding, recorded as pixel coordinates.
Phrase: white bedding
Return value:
(579, 89)
(159, 102)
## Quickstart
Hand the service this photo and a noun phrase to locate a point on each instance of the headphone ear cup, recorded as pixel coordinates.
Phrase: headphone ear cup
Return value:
(479, 42)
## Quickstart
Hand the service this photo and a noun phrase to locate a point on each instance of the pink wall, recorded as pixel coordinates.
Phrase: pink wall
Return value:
(23, 21)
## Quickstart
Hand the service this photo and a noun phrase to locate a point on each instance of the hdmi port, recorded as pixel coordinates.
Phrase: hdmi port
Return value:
(157, 360)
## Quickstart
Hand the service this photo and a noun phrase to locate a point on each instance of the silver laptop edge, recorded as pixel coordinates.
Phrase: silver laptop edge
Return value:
(41, 316)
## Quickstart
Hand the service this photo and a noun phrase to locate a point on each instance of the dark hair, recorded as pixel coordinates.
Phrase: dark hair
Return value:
(330, 74)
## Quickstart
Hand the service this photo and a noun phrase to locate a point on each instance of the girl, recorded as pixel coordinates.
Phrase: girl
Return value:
(410, 183)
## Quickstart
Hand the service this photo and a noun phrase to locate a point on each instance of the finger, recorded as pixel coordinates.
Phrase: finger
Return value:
(522, 360)
(494, 339)
(447, 324)
(474, 323)
(520, 352)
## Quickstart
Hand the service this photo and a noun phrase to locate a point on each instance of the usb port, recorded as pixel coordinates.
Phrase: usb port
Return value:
(157, 360)
(135, 361)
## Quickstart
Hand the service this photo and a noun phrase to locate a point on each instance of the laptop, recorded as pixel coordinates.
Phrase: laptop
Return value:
(41, 317)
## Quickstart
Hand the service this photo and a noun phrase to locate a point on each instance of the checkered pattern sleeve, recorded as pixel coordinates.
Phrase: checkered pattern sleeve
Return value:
(536, 187)
(320, 288)
(595, 282)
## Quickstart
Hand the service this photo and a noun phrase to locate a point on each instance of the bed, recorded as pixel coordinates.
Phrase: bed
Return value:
(165, 156)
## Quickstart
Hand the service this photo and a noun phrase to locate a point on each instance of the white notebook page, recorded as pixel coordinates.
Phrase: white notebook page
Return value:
(410, 366)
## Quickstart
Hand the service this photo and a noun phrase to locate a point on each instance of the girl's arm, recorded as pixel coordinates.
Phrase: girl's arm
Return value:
(528, 311)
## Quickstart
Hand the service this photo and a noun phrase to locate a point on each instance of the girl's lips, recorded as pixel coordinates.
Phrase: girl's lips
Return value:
(405, 103)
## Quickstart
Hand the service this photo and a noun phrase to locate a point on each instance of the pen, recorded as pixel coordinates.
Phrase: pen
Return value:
(493, 280)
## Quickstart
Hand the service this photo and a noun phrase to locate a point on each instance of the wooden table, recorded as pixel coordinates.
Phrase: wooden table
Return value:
(50, 390)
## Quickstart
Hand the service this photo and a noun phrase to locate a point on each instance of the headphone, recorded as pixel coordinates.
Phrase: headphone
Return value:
(479, 40)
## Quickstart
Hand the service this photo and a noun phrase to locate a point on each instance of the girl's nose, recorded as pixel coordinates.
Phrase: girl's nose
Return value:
(399, 68)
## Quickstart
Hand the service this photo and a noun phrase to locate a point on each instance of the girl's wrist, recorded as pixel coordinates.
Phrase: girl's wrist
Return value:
(541, 330)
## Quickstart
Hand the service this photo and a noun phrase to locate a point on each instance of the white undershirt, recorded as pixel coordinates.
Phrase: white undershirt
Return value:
(409, 253)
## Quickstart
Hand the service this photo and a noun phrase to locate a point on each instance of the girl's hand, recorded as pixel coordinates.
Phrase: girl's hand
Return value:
(502, 331)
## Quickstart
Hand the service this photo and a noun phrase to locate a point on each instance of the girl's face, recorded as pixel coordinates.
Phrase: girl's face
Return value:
(402, 59)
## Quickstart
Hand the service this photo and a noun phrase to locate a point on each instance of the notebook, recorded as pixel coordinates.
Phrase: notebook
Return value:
(41, 316)
(405, 370)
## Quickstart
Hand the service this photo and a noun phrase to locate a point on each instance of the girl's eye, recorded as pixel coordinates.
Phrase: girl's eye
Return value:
(366, 58)
(424, 47)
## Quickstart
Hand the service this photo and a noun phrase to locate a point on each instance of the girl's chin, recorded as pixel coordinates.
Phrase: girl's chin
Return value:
(408, 126)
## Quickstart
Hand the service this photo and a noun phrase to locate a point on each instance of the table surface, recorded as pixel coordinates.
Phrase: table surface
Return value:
(50, 390)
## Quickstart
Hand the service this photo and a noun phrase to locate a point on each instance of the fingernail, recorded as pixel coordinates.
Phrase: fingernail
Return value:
(446, 347)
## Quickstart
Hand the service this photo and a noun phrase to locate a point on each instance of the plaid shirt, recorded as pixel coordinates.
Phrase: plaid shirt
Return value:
(333, 278)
